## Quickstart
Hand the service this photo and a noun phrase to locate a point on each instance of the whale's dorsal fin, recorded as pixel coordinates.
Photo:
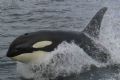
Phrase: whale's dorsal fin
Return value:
(93, 28)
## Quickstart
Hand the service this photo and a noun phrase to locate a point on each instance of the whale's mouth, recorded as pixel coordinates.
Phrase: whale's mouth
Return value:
(30, 57)
(66, 59)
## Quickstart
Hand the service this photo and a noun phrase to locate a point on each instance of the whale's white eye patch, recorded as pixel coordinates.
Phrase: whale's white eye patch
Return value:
(42, 44)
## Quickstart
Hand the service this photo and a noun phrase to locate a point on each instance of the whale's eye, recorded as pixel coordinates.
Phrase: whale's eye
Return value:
(26, 34)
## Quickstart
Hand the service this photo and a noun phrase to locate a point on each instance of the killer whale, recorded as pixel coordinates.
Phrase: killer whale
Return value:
(29, 45)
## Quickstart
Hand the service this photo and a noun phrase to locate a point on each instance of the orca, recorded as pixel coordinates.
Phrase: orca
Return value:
(29, 46)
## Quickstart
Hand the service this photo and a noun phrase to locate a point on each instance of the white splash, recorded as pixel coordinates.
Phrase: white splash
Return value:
(66, 59)
(24, 70)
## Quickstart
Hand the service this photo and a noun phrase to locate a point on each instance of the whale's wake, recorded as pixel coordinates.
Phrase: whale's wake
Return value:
(65, 60)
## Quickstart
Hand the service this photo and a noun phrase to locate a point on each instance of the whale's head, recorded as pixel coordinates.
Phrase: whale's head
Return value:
(29, 46)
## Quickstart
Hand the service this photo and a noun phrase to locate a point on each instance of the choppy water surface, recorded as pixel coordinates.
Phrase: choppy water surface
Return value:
(21, 16)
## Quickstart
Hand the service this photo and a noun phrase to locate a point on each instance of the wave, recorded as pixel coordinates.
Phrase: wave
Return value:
(66, 59)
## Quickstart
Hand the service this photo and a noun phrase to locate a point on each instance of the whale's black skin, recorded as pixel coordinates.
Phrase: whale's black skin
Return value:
(85, 39)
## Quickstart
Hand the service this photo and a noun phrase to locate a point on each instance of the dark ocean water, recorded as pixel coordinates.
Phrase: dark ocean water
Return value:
(20, 16)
